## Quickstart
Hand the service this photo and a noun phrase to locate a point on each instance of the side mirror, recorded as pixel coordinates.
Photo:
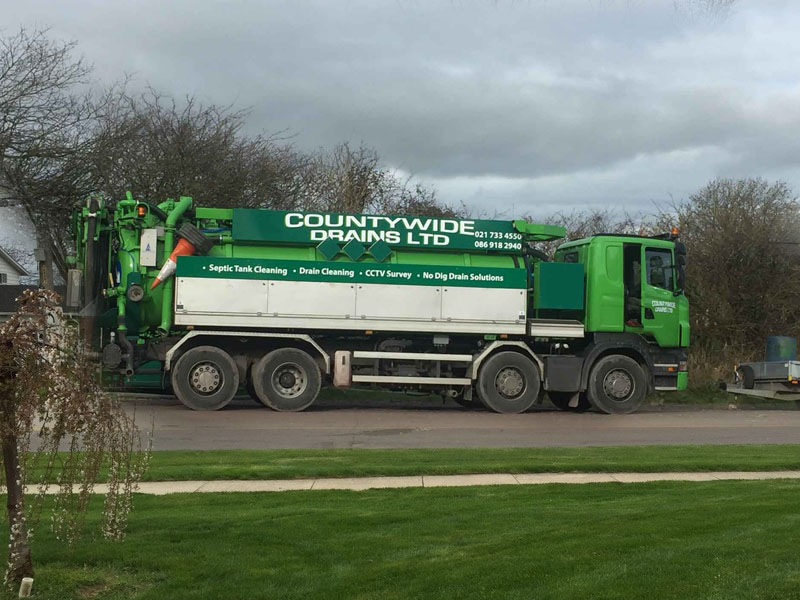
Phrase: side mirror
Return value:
(680, 276)
(680, 248)
(680, 259)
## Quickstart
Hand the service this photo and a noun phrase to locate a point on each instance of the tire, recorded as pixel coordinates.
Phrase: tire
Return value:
(748, 378)
(205, 378)
(561, 401)
(617, 385)
(287, 379)
(508, 382)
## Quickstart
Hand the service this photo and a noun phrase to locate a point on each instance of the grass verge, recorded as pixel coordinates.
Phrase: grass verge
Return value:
(732, 540)
(298, 464)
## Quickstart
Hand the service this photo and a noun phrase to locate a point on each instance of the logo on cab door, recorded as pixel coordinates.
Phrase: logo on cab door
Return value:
(663, 306)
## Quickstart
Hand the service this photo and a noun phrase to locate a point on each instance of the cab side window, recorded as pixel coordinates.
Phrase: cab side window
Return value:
(659, 268)
(571, 257)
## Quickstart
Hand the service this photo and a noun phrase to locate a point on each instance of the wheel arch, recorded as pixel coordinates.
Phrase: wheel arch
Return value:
(225, 338)
(502, 346)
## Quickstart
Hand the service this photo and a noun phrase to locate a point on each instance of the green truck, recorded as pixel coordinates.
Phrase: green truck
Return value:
(205, 301)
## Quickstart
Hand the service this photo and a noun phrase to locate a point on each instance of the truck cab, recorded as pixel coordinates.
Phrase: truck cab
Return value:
(635, 288)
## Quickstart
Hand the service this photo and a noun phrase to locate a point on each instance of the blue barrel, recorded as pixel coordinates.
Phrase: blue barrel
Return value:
(781, 347)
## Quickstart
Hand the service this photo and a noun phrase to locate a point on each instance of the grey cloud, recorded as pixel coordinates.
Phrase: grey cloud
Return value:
(539, 95)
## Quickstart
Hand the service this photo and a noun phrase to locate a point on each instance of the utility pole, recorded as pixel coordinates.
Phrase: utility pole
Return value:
(44, 260)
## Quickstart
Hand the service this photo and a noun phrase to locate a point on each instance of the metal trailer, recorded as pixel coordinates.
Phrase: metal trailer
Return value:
(775, 380)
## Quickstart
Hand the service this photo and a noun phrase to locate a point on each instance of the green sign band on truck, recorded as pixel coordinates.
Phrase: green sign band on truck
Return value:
(300, 270)
(305, 228)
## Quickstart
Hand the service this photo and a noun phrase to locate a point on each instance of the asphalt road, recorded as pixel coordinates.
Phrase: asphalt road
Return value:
(425, 424)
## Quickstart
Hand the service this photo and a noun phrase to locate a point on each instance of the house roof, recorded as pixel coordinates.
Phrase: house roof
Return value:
(7, 257)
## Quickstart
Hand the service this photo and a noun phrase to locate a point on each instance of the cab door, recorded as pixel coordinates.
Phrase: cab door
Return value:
(659, 306)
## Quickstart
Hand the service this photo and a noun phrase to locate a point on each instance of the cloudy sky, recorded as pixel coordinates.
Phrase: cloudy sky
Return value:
(524, 106)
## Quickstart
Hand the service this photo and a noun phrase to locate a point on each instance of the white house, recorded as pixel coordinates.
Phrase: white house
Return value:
(17, 233)
(10, 270)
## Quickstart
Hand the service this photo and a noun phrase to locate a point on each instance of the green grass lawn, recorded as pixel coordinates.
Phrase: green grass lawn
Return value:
(722, 540)
(292, 464)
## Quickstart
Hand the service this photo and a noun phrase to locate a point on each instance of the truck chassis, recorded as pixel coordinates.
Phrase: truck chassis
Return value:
(285, 370)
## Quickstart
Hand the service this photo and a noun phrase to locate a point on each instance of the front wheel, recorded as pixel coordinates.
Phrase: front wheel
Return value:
(617, 385)
(508, 382)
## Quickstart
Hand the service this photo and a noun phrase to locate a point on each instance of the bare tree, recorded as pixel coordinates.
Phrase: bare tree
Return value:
(742, 267)
(160, 148)
(707, 9)
(59, 143)
(582, 224)
(44, 121)
(347, 179)
(49, 399)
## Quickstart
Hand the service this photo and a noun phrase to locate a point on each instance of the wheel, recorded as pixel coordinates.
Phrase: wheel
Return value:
(287, 379)
(508, 382)
(617, 385)
(205, 378)
(561, 401)
(748, 377)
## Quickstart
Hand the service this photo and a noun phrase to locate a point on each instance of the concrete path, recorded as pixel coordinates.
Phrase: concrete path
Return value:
(161, 488)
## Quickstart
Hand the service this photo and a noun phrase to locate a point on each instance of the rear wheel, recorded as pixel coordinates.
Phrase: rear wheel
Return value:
(287, 379)
(617, 385)
(561, 400)
(508, 382)
(205, 378)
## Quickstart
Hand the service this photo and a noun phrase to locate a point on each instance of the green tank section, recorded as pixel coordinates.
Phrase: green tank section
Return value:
(610, 283)
(349, 238)
(558, 290)
(458, 247)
